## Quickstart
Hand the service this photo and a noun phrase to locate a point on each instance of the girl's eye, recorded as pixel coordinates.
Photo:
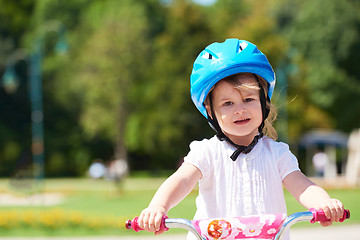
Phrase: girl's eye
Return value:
(248, 99)
(228, 103)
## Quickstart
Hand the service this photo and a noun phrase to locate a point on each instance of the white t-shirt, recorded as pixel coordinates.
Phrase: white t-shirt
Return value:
(251, 185)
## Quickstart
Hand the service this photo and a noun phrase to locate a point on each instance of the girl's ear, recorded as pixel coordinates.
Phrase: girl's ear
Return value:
(208, 110)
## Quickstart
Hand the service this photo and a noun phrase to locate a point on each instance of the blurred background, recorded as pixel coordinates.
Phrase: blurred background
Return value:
(93, 91)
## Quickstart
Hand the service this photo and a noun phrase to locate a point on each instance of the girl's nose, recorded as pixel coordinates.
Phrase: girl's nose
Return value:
(240, 109)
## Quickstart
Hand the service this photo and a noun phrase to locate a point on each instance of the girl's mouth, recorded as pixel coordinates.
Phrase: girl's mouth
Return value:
(242, 121)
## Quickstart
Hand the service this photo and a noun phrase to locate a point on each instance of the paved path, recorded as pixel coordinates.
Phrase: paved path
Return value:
(338, 232)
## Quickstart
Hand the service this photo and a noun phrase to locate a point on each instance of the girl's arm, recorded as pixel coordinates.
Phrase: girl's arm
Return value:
(311, 195)
(170, 193)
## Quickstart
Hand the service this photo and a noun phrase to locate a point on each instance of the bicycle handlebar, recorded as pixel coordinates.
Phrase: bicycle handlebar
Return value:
(319, 215)
(312, 216)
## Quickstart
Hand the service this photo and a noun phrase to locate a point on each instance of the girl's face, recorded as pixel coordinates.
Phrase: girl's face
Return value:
(238, 110)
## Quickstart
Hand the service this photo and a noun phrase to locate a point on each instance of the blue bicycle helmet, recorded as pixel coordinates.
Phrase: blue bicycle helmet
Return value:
(220, 60)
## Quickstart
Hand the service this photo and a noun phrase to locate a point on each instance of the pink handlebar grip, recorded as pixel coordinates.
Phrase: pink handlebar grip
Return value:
(133, 224)
(319, 215)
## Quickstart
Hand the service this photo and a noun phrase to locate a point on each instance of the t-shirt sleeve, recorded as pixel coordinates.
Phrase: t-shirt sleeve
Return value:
(287, 162)
(199, 156)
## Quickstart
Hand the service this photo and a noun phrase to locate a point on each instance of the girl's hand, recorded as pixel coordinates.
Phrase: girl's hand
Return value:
(150, 219)
(333, 210)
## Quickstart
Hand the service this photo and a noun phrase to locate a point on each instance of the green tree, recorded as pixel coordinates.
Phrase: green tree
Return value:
(108, 62)
(325, 34)
(166, 121)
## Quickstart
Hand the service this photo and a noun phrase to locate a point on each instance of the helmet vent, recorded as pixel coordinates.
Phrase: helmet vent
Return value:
(207, 55)
(242, 46)
(257, 51)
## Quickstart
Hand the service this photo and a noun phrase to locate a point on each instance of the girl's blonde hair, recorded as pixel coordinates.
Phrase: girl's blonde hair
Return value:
(236, 81)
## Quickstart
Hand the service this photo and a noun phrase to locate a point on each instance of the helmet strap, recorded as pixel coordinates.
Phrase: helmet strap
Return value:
(264, 108)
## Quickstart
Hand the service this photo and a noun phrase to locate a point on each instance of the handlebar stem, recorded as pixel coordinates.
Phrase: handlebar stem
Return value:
(291, 220)
(183, 223)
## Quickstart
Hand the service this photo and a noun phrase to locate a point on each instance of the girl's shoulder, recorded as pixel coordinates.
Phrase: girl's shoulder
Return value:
(205, 143)
(275, 146)
(209, 150)
(280, 153)
(202, 154)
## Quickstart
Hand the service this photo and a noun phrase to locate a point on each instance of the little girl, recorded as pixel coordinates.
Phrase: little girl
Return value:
(241, 171)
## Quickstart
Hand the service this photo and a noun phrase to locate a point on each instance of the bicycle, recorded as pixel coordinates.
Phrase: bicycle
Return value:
(267, 226)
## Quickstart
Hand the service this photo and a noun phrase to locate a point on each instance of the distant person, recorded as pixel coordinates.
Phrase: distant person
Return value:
(320, 159)
(97, 169)
(117, 171)
(241, 171)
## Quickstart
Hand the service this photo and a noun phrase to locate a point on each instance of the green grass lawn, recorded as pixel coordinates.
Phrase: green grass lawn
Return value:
(99, 201)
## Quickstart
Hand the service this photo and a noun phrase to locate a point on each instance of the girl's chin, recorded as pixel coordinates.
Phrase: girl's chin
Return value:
(243, 140)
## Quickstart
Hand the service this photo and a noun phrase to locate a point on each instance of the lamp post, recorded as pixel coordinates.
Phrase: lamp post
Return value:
(37, 116)
(10, 80)
(10, 83)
